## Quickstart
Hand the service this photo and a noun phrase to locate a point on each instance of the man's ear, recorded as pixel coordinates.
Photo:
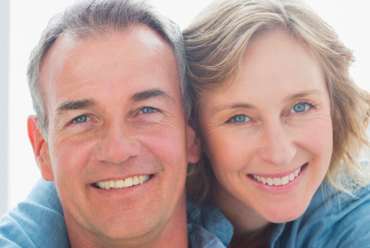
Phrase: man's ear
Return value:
(193, 144)
(40, 148)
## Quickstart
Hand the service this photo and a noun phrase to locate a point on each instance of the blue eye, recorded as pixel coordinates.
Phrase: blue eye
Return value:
(80, 119)
(239, 118)
(301, 107)
(148, 110)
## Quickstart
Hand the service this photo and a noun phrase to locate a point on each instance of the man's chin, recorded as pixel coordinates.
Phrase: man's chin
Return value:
(115, 226)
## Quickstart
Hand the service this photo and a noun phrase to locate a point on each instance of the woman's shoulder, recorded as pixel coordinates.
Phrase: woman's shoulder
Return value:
(333, 219)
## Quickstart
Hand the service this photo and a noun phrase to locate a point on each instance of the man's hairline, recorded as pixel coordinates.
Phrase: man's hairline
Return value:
(98, 33)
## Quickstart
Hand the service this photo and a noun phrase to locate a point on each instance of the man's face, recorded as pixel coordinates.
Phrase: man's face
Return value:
(116, 120)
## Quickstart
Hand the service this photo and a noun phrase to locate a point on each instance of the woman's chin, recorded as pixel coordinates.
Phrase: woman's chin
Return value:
(283, 214)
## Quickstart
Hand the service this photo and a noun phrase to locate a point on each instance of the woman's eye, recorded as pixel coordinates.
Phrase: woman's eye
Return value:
(239, 118)
(81, 119)
(148, 110)
(301, 107)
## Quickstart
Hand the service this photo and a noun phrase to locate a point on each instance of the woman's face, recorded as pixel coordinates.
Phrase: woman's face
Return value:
(269, 134)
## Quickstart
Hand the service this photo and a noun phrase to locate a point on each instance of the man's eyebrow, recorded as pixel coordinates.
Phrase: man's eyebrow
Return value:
(152, 93)
(74, 105)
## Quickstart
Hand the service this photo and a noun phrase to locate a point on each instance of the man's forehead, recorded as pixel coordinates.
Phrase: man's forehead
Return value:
(75, 61)
(144, 41)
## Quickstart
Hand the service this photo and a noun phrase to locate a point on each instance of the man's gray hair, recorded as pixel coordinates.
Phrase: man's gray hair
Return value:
(90, 18)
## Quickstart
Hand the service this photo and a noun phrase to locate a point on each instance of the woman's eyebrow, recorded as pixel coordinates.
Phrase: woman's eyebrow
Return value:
(232, 106)
(303, 94)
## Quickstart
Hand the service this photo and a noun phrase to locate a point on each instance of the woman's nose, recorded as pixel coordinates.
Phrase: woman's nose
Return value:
(278, 147)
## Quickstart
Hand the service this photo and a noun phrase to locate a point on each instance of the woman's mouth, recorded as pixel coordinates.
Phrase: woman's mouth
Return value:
(279, 181)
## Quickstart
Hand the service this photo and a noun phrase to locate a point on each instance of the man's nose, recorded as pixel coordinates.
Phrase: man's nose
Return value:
(278, 147)
(117, 144)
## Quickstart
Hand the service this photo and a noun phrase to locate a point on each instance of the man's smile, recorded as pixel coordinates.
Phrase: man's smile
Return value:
(123, 183)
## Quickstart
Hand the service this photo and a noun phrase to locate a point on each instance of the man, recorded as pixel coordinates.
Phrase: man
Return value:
(108, 87)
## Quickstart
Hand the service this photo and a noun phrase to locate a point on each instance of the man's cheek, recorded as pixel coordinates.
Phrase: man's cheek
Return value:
(165, 143)
(70, 157)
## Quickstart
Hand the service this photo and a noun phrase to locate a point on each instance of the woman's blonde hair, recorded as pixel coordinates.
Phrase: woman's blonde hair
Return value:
(215, 43)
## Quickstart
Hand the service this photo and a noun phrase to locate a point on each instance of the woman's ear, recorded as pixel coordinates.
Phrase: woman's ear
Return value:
(40, 148)
(193, 144)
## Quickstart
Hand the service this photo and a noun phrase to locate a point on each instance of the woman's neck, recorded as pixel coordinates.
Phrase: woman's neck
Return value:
(243, 218)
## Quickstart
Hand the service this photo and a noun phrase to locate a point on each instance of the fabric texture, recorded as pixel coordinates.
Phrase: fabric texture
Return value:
(331, 220)
(36, 222)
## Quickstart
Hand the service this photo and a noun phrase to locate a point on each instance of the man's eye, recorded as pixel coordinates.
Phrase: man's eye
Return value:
(301, 107)
(148, 110)
(81, 119)
(239, 118)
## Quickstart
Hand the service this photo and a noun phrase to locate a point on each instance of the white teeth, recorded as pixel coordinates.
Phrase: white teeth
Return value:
(278, 181)
(135, 180)
(264, 181)
(297, 172)
(101, 185)
(120, 184)
(123, 183)
(128, 182)
(269, 181)
(107, 185)
(141, 179)
(285, 180)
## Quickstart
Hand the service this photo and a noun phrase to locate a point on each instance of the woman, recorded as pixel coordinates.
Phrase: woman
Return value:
(279, 117)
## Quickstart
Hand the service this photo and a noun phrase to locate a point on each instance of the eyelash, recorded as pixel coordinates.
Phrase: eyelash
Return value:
(146, 107)
(229, 120)
(311, 107)
(73, 121)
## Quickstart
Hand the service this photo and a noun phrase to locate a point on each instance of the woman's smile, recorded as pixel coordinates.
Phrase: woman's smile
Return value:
(276, 179)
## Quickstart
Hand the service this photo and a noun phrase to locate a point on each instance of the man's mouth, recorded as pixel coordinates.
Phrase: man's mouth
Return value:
(279, 181)
(123, 183)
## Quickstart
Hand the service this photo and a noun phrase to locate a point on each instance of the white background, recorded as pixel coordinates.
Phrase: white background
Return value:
(350, 19)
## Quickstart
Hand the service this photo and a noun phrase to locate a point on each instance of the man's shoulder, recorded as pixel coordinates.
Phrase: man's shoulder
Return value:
(199, 237)
(36, 222)
(210, 219)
